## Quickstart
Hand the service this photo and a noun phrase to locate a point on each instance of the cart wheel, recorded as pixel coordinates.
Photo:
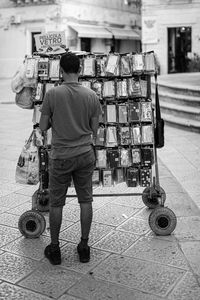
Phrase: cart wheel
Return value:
(31, 224)
(162, 221)
(40, 200)
(150, 196)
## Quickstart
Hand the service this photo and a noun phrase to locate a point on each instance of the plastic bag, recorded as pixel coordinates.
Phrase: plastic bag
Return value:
(27, 169)
(24, 98)
(112, 64)
(17, 82)
(31, 71)
(39, 139)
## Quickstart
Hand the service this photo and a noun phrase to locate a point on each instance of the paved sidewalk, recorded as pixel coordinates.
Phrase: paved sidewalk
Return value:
(181, 155)
(127, 260)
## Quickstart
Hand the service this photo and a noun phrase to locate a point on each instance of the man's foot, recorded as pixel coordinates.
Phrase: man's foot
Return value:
(84, 253)
(53, 254)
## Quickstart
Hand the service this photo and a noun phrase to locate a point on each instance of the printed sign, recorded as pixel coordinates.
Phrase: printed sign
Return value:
(51, 42)
(149, 30)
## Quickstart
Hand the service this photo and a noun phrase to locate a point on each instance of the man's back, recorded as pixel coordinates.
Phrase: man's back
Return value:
(71, 107)
(73, 113)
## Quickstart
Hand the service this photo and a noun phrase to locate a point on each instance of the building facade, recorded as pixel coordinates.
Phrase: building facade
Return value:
(90, 25)
(172, 29)
(169, 27)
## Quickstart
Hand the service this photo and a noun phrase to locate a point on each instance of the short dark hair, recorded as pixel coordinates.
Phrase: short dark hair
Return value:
(70, 63)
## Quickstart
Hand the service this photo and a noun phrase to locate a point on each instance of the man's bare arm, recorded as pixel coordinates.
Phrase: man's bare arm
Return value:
(94, 123)
(45, 122)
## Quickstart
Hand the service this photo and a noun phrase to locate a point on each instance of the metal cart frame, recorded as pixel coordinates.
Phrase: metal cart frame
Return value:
(162, 220)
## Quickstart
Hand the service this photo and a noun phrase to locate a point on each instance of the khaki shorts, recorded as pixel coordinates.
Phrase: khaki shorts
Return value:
(62, 171)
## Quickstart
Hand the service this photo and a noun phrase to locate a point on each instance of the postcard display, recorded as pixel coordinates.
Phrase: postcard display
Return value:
(125, 140)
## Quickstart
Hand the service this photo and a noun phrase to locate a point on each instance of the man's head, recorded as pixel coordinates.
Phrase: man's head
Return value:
(70, 63)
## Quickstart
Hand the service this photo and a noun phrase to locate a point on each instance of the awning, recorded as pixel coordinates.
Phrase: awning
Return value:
(100, 32)
(91, 31)
(124, 34)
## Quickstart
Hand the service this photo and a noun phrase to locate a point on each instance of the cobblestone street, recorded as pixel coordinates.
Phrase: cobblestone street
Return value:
(137, 73)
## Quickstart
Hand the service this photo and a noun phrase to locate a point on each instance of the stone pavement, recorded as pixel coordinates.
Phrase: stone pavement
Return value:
(128, 261)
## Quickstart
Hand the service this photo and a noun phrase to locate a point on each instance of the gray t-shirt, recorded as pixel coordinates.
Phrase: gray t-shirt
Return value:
(70, 107)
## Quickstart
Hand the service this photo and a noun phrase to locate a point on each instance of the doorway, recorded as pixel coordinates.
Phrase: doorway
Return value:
(179, 45)
(86, 44)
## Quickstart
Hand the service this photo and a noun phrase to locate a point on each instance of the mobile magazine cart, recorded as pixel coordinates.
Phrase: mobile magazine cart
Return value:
(126, 154)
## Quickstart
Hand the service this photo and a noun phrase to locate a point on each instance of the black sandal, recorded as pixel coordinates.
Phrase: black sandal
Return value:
(54, 256)
(84, 253)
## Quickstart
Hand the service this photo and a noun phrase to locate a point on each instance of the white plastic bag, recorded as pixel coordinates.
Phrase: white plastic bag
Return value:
(27, 169)
(24, 98)
(17, 82)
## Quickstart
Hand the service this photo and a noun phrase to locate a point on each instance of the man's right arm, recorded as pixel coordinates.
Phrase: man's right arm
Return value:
(45, 122)
(45, 119)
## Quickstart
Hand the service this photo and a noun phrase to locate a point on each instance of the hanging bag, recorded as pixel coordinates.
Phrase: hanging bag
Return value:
(17, 82)
(27, 169)
(24, 98)
(159, 124)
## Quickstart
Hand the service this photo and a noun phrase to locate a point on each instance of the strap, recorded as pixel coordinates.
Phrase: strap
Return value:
(31, 137)
(158, 114)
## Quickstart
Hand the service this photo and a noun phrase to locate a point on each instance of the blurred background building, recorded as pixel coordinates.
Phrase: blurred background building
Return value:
(90, 25)
(169, 27)
(172, 29)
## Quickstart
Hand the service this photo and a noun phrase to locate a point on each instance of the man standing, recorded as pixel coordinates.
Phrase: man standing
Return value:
(72, 111)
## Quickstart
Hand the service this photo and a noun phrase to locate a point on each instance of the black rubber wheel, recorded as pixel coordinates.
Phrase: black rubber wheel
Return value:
(40, 200)
(150, 197)
(31, 224)
(162, 221)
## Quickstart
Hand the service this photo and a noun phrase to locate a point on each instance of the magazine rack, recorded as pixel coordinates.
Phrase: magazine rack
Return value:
(125, 148)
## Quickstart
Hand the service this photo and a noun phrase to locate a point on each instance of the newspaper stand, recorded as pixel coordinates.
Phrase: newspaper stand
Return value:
(162, 220)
